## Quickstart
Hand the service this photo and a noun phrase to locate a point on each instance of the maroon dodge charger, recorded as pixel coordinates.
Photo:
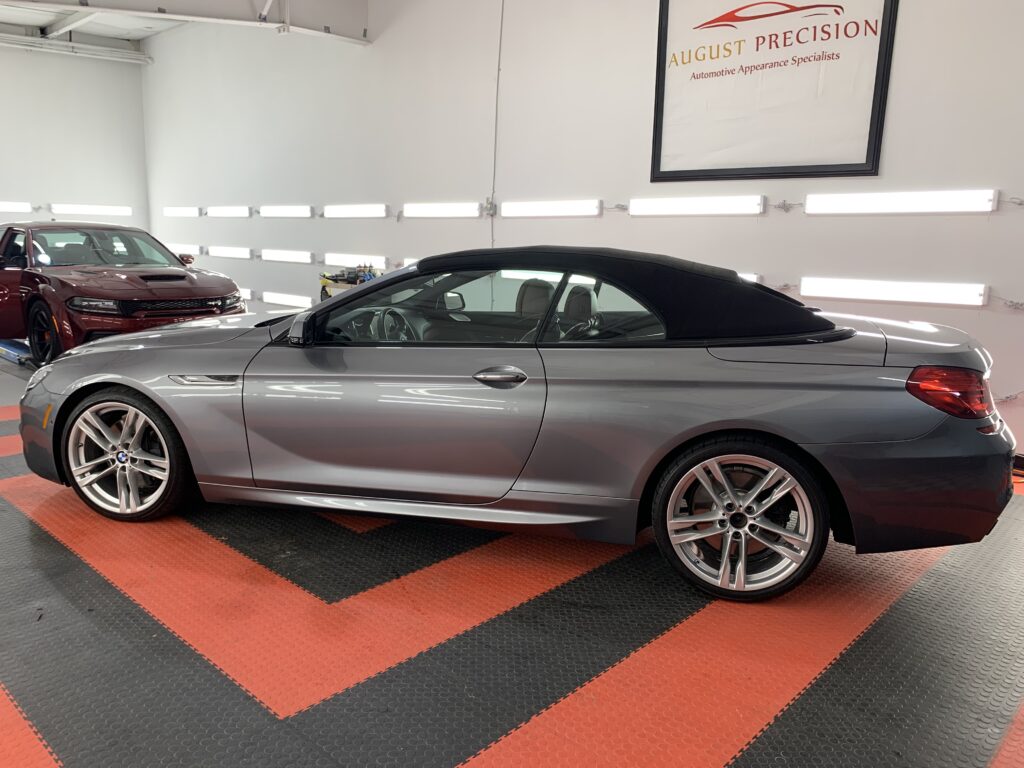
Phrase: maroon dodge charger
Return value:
(63, 284)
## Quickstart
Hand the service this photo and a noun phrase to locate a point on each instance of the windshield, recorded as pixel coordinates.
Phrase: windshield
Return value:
(98, 247)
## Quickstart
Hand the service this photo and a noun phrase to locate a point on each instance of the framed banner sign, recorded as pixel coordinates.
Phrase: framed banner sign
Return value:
(771, 90)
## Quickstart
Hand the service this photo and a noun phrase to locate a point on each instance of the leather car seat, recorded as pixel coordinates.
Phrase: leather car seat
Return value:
(534, 298)
(446, 331)
(580, 306)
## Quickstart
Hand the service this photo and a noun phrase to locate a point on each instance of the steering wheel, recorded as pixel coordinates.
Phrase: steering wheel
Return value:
(528, 337)
(581, 329)
(394, 327)
(531, 335)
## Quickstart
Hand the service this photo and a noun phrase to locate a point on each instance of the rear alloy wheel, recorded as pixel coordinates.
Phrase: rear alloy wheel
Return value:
(741, 519)
(43, 340)
(124, 458)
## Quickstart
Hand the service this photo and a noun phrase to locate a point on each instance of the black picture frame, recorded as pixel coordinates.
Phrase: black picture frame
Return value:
(873, 153)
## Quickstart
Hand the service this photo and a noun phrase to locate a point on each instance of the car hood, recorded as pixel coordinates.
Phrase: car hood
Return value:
(143, 282)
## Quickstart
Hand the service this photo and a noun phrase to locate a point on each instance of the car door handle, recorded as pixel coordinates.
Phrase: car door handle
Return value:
(503, 377)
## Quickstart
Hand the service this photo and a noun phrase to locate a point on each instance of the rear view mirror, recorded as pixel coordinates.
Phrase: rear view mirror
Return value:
(454, 301)
(187, 258)
(301, 332)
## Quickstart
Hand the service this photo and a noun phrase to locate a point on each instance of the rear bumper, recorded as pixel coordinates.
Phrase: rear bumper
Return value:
(946, 488)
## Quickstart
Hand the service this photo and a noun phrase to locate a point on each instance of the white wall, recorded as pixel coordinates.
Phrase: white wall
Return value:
(236, 116)
(71, 133)
(248, 117)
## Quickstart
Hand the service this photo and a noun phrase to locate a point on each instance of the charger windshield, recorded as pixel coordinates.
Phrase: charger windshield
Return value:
(82, 247)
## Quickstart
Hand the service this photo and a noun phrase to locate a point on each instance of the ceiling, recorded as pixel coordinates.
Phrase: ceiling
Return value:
(111, 25)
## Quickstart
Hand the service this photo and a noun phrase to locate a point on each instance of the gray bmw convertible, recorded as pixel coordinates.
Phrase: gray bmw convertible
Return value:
(585, 392)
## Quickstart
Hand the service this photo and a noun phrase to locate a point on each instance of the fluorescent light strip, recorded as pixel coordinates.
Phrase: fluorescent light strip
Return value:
(442, 210)
(246, 293)
(229, 252)
(9, 207)
(181, 248)
(286, 211)
(287, 299)
(293, 257)
(74, 209)
(181, 212)
(739, 205)
(551, 209)
(229, 212)
(750, 277)
(362, 211)
(963, 201)
(355, 260)
(960, 294)
(551, 277)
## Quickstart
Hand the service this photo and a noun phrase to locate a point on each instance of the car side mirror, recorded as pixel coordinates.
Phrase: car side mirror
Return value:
(301, 332)
(454, 301)
(187, 258)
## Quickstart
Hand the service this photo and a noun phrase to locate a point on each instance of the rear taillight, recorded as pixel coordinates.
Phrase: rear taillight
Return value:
(959, 392)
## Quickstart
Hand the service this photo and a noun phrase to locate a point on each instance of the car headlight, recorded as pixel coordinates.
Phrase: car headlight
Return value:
(38, 376)
(233, 300)
(95, 306)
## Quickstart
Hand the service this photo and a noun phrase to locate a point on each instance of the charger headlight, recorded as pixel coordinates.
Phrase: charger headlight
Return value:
(95, 306)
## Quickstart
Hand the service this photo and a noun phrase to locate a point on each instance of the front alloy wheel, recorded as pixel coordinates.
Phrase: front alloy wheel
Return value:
(43, 340)
(742, 525)
(124, 458)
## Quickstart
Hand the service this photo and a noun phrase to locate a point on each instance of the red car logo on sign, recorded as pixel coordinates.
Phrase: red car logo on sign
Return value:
(758, 11)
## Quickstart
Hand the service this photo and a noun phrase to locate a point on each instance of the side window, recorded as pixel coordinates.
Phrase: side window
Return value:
(13, 256)
(477, 308)
(594, 311)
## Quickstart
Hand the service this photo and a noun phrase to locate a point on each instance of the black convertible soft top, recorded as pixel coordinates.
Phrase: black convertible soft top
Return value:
(696, 302)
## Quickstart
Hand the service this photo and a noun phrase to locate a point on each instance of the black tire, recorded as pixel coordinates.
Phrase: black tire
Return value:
(324, 295)
(181, 489)
(753, 447)
(43, 339)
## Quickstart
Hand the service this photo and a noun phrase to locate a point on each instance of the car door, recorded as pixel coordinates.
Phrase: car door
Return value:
(12, 265)
(617, 392)
(429, 389)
